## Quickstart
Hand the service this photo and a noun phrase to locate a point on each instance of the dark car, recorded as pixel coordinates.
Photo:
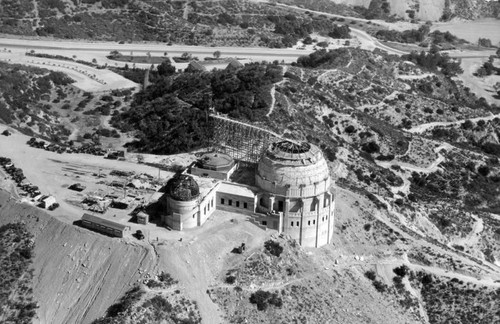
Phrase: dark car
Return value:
(139, 235)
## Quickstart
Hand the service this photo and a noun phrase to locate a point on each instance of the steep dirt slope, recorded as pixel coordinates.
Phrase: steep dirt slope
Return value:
(78, 274)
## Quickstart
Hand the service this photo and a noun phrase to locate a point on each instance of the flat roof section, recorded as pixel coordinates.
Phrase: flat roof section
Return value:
(104, 222)
(237, 189)
(216, 161)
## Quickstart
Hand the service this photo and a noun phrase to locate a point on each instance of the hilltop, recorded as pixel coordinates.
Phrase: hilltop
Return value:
(413, 149)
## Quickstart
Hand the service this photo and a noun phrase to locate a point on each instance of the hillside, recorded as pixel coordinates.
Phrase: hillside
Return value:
(77, 274)
(216, 23)
(433, 10)
(413, 152)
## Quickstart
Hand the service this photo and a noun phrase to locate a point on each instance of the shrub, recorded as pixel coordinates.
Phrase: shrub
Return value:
(370, 147)
(467, 124)
(125, 302)
(167, 279)
(230, 279)
(401, 271)
(273, 248)
(370, 274)
(483, 170)
(380, 286)
(426, 279)
(263, 298)
(350, 129)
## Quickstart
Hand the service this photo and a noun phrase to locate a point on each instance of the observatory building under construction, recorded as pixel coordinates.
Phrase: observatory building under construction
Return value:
(291, 191)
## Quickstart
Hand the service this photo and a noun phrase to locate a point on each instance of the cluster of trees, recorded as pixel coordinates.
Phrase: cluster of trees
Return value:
(335, 57)
(488, 68)
(340, 31)
(406, 36)
(439, 37)
(171, 115)
(434, 60)
(264, 298)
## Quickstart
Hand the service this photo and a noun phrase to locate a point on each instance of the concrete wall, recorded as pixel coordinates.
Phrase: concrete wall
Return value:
(190, 214)
(237, 203)
(311, 228)
(219, 175)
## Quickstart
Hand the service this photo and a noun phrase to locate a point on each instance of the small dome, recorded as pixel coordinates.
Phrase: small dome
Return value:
(216, 161)
(286, 164)
(183, 187)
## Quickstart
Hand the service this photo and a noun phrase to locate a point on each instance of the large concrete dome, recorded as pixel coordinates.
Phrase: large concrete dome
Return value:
(293, 170)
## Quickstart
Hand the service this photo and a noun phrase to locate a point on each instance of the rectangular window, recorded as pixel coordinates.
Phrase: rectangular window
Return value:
(237, 204)
(194, 215)
(297, 223)
(205, 210)
(222, 201)
(212, 202)
(308, 222)
(245, 205)
(314, 221)
(264, 223)
(230, 202)
(291, 224)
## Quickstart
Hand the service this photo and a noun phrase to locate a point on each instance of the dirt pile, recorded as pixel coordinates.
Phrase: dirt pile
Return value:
(77, 274)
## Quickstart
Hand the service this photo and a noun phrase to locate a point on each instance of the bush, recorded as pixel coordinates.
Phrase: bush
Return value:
(483, 170)
(125, 302)
(273, 248)
(370, 274)
(230, 279)
(167, 279)
(350, 129)
(401, 271)
(380, 286)
(263, 298)
(370, 147)
(426, 279)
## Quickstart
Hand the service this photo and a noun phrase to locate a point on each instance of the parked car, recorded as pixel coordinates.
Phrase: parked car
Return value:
(139, 235)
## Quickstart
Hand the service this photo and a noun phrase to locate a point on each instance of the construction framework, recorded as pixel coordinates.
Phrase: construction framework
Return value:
(243, 142)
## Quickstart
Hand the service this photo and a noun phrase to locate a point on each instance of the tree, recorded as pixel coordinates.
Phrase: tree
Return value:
(165, 68)
(114, 54)
(484, 42)
(217, 54)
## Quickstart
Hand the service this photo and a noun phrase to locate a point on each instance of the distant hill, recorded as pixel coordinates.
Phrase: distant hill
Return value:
(217, 23)
(433, 10)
